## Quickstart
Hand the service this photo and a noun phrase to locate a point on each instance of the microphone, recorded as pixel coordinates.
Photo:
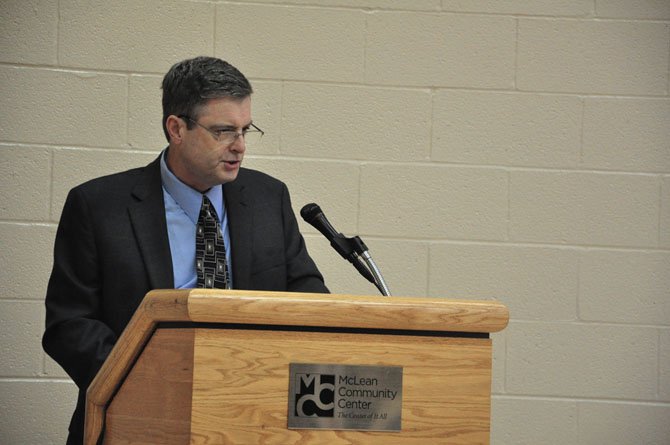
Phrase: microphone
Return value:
(313, 215)
(348, 248)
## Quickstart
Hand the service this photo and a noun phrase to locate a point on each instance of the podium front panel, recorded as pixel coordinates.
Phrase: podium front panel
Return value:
(240, 385)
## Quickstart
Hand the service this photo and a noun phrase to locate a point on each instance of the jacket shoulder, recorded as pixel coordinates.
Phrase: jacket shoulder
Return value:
(120, 182)
(253, 178)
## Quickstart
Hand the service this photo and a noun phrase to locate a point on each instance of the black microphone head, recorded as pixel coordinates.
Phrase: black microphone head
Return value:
(310, 211)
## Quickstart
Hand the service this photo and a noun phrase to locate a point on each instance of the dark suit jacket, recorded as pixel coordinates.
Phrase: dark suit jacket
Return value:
(112, 248)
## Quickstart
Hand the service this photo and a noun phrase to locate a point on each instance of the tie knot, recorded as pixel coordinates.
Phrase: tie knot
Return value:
(208, 208)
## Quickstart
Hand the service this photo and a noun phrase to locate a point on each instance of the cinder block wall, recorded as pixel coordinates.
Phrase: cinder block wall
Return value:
(510, 149)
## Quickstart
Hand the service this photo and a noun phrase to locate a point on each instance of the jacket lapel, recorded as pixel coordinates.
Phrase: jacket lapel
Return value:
(240, 222)
(147, 216)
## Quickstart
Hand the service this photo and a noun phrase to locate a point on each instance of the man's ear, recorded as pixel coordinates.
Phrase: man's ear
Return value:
(175, 128)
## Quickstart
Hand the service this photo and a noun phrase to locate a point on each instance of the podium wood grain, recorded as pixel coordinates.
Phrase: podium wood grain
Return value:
(155, 404)
(240, 386)
(201, 385)
(374, 312)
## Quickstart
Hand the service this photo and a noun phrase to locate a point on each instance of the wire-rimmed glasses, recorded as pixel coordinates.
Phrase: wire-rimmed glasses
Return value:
(251, 135)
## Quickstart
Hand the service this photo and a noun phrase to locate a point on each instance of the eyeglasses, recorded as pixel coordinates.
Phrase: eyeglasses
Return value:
(251, 135)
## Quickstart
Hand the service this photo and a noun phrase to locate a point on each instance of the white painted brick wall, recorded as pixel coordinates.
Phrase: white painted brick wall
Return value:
(515, 274)
(145, 113)
(64, 107)
(24, 195)
(440, 50)
(584, 208)
(269, 41)
(613, 422)
(544, 421)
(435, 201)
(626, 9)
(127, 35)
(36, 410)
(508, 128)
(29, 31)
(517, 150)
(582, 360)
(588, 56)
(664, 365)
(357, 123)
(20, 264)
(627, 134)
(665, 213)
(637, 281)
(21, 332)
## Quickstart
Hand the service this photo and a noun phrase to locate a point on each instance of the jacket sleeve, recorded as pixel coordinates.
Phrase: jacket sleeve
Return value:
(302, 273)
(76, 336)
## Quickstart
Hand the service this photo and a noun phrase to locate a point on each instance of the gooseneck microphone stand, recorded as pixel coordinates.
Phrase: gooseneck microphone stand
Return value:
(355, 250)
(352, 249)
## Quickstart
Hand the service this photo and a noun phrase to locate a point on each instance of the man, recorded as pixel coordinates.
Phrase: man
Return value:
(122, 235)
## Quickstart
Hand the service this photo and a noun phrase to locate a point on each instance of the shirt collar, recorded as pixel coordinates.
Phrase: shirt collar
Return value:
(189, 199)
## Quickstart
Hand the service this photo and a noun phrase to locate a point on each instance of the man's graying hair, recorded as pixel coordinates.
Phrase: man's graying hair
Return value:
(189, 84)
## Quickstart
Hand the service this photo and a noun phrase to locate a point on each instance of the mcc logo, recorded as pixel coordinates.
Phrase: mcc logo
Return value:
(315, 395)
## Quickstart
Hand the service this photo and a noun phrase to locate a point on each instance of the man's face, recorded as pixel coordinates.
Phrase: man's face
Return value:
(196, 157)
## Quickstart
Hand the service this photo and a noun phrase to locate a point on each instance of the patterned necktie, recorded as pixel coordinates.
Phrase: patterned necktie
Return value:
(210, 251)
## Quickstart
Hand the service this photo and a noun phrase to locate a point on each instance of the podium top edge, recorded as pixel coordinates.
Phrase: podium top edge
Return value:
(326, 310)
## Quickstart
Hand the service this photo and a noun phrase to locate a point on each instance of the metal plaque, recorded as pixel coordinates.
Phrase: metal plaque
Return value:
(344, 397)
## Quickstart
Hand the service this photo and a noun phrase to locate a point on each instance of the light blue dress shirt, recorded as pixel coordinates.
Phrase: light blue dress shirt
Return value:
(182, 207)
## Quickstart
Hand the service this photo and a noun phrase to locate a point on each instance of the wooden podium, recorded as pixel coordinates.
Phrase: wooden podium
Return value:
(211, 367)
